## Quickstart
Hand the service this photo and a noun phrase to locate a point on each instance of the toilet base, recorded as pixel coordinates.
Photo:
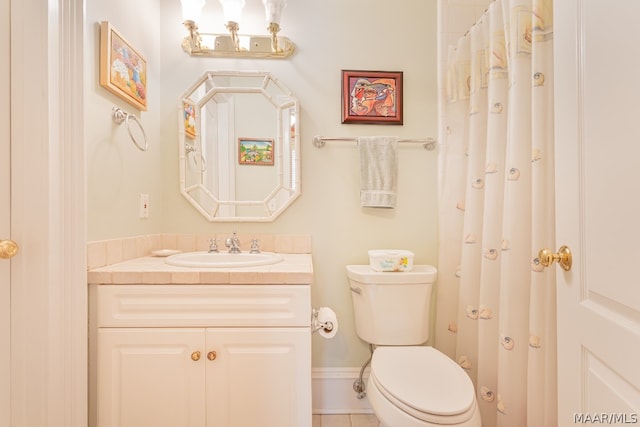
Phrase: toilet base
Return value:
(391, 416)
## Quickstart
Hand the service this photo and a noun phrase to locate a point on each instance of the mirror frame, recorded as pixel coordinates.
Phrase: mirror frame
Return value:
(192, 146)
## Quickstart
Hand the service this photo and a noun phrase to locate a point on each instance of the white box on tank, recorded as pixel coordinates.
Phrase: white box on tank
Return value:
(390, 260)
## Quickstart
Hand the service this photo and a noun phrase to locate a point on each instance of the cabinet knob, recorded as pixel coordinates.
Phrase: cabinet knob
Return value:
(195, 356)
(212, 355)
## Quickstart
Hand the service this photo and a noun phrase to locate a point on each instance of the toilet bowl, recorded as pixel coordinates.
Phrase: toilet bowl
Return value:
(410, 384)
(418, 386)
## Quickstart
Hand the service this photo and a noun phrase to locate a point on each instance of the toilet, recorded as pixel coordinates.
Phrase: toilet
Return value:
(409, 385)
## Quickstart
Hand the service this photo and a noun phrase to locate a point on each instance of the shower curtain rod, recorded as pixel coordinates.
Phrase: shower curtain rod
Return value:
(481, 16)
(428, 143)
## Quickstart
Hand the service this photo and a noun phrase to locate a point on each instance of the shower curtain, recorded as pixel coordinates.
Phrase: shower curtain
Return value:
(496, 304)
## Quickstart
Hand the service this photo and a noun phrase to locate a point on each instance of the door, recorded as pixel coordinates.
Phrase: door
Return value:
(5, 209)
(46, 383)
(259, 377)
(597, 62)
(151, 377)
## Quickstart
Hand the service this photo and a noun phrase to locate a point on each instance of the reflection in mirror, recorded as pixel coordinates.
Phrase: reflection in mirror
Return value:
(239, 146)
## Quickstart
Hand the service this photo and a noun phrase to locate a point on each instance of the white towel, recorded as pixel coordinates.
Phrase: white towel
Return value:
(378, 171)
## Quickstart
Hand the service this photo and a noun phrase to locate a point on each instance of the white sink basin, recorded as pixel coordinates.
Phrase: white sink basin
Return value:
(223, 259)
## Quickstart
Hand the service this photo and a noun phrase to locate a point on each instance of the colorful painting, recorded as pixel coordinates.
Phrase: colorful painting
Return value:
(373, 97)
(123, 70)
(255, 151)
(189, 115)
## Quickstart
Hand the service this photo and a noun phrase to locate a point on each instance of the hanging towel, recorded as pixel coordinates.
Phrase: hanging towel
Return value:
(378, 171)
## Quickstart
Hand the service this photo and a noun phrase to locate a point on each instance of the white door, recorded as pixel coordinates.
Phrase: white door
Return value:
(48, 384)
(597, 64)
(5, 210)
(151, 377)
(268, 367)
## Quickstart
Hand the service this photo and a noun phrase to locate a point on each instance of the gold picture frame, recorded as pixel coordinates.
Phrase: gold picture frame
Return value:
(123, 70)
(189, 116)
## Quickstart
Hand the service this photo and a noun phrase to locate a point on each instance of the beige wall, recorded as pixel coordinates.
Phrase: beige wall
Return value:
(330, 35)
(117, 172)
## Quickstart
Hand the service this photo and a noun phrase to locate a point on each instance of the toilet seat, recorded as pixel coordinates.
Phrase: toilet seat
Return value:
(424, 383)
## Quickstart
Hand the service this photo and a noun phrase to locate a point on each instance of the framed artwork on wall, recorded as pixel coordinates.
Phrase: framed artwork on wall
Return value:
(123, 70)
(373, 97)
(255, 151)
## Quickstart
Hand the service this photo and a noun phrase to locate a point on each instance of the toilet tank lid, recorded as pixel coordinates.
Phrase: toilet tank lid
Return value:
(419, 274)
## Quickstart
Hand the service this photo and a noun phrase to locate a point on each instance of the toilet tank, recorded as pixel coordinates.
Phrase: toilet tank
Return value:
(392, 308)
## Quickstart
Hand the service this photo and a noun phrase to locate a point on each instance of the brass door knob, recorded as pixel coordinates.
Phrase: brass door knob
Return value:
(8, 249)
(564, 257)
(212, 355)
(195, 356)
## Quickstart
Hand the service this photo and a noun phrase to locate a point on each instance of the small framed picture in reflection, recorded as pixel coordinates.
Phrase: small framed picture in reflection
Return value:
(189, 117)
(255, 151)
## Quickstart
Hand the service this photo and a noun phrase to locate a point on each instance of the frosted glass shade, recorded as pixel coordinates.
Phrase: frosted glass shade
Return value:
(273, 10)
(232, 10)
(192, 9)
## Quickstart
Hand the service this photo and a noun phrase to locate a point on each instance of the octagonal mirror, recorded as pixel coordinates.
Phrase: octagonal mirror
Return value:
(239, 146)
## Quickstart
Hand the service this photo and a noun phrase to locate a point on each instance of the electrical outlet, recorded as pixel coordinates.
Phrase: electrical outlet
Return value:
(144, 205)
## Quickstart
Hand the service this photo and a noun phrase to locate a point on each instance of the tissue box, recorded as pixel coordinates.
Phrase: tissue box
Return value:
(390, 260)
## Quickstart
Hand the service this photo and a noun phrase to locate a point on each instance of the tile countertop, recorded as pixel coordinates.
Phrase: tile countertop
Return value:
(295, 269)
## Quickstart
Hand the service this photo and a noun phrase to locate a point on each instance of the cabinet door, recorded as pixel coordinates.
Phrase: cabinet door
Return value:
(260, 377)
(147, 377)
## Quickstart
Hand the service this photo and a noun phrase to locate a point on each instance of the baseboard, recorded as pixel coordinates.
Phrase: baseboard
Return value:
(332, 391)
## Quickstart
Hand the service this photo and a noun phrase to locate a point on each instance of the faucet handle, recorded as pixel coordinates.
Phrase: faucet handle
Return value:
(255, 249)
(213, 245)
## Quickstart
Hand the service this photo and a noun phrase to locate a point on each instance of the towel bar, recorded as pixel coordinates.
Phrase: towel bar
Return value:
(429, 143)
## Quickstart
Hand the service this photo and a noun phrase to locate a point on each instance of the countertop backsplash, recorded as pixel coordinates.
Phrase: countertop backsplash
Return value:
(106, 252)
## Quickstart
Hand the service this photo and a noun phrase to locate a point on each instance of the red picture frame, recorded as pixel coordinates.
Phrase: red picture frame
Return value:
(372, 97)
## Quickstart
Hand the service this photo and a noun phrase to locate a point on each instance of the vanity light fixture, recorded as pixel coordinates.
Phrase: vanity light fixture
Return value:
(232, 10)
(234, 44)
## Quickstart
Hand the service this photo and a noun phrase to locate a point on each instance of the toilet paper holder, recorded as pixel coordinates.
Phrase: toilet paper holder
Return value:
(317, 324)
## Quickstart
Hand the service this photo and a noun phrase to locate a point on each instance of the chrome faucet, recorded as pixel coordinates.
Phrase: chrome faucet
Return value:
(233, 243)
(213, 245)
(255, 249)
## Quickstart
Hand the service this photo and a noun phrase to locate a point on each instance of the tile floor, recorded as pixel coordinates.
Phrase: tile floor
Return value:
(353, 420)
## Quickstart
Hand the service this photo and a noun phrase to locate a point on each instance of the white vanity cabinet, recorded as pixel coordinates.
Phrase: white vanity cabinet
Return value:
(200, 355)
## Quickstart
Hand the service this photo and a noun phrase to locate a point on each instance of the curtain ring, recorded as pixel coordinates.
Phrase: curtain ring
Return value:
(120, 116)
